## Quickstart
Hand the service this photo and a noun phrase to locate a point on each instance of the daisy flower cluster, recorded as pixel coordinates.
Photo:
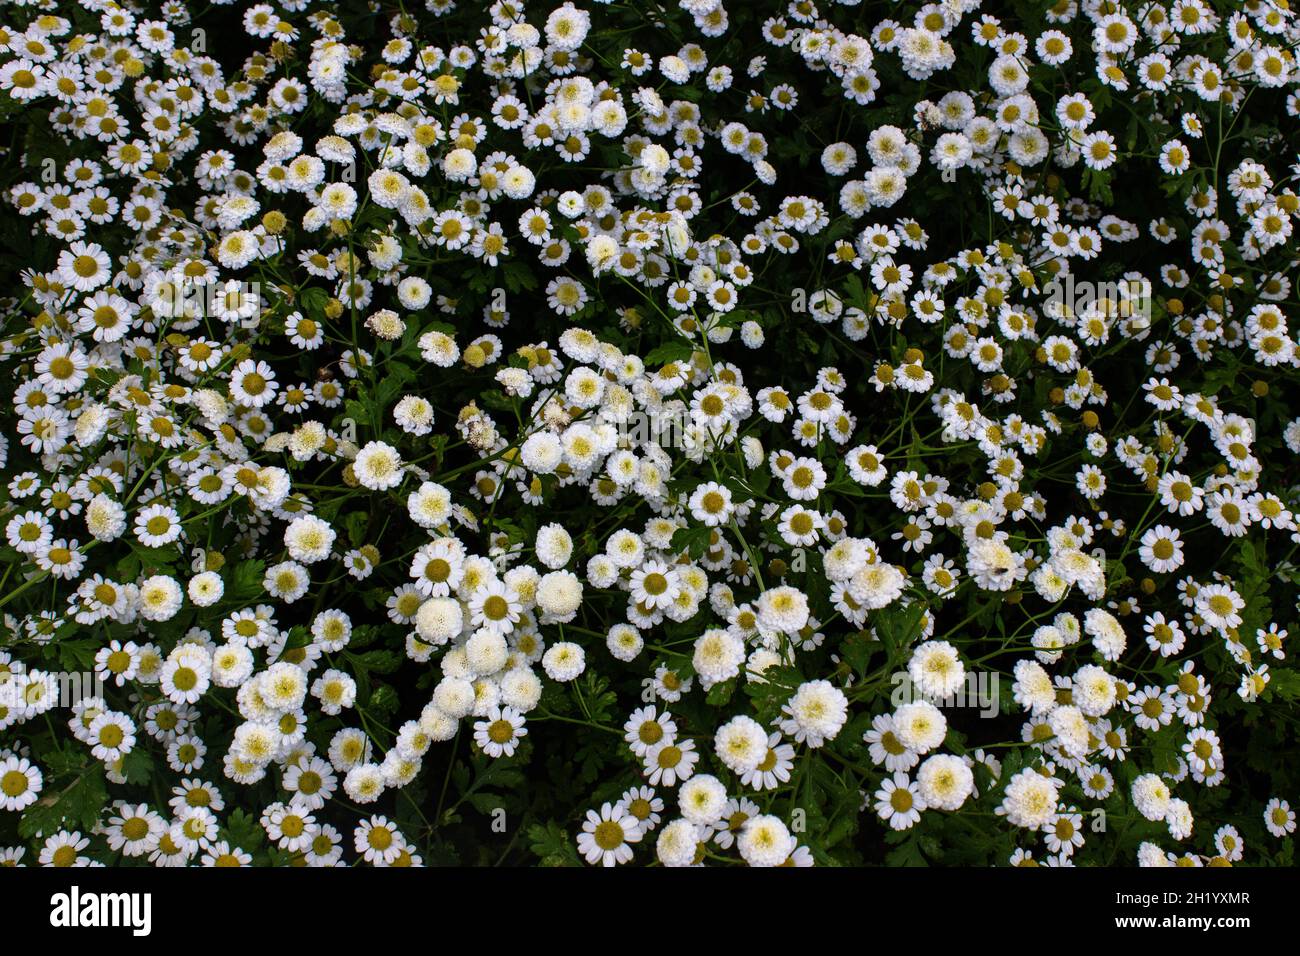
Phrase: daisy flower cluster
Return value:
(690, 433)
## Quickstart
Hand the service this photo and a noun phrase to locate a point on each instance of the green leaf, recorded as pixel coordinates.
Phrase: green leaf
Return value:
(79, 806)
(243, 830)
(907, 853)
(551, 844)
(898, 626)
(246, 581)
(78, 654)
(355, 524)
(1284, 684)
(596, 695)
(857, 649)
(383, 701)
(313, 301)
(137, 767)
(519, 277)
(668, 352)
(380, 662)
(720, 694)
(694, 540)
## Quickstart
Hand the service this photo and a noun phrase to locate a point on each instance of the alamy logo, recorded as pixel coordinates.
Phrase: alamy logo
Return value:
(1126, 299)
(978, 691)
(665, 429)
(97, 910)
(178, 295)
(43, 690)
